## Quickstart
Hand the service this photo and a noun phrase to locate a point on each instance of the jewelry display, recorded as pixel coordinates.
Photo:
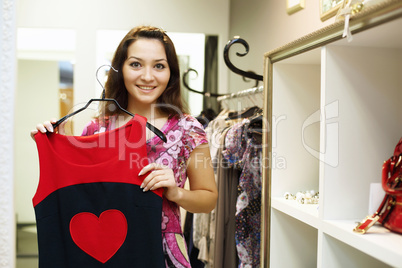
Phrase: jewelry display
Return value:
(306, 197)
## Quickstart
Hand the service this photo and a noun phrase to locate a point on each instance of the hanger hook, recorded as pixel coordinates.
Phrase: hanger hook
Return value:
(186, 85)
(185, 74)
(97, 78)
(230, 65)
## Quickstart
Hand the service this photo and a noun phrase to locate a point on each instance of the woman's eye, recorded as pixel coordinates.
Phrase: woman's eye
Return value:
(135, 64)
(160, 66)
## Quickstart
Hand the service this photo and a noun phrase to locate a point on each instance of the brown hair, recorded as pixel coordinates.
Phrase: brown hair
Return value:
(170, 102)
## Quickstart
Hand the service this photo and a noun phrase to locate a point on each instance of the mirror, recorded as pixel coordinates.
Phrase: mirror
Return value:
(44, 88)
(49, 84)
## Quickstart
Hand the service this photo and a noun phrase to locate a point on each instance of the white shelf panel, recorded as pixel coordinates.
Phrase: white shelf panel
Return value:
(353, 89)
(378, 242)
(307, 213)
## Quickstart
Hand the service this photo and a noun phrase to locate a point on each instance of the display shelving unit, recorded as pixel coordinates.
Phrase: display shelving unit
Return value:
(334, 111)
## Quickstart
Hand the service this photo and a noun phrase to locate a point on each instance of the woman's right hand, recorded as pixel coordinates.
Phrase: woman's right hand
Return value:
(47, 126)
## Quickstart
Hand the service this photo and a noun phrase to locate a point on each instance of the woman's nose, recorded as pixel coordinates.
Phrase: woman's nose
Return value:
(147, 74)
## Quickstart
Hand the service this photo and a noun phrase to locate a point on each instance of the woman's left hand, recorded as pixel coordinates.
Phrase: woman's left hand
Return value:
(160, 176)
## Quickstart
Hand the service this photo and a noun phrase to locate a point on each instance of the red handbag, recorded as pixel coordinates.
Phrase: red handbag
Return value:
(389, 214)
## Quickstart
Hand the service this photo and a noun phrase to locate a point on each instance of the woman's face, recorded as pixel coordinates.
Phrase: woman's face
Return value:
(146, 71)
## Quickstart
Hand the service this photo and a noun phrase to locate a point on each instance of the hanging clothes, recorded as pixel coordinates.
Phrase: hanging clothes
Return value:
(243, 153)
(225, 244)
(193, 251)
(233, 236)
(210, 230)
(89, 207)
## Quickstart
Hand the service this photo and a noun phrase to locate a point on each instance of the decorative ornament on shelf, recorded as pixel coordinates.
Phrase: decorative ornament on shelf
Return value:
(306, 197)
(350, 8)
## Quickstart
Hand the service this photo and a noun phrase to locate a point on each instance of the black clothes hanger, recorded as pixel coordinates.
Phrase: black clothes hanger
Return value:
(247, 113)
(256, 119)
(255, 126)
(230, 65)
(206, 116)
(155, 130)
(184, 79)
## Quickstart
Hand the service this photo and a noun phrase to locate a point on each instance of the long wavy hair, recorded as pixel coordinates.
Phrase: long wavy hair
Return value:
(170, 102)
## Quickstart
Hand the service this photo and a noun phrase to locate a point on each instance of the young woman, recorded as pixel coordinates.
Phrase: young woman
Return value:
(148, 83)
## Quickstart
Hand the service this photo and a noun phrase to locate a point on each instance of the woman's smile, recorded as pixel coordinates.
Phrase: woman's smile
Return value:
(146, 88)
(146, 72)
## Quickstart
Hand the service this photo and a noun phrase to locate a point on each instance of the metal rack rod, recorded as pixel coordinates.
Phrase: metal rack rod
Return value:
(241, 93)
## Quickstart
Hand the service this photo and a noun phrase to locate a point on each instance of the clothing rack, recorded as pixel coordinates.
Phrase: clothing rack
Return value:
(235, 138)
(246, 74)
(227, 100)
(186, 85)
(235, 147)
(242, 93)
(229, 64)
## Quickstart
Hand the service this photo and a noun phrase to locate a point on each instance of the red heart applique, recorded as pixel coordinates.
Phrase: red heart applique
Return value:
(99, 237)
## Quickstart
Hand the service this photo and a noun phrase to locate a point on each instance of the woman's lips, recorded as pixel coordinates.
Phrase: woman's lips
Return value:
(146, 87)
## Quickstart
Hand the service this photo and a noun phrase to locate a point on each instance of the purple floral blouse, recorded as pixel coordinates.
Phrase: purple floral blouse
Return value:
(183, 135)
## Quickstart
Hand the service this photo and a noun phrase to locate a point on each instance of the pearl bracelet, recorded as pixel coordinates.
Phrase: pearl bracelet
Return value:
(306, 197)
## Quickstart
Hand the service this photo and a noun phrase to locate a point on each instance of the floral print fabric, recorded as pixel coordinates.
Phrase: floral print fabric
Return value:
(183, 135)
(244, 153)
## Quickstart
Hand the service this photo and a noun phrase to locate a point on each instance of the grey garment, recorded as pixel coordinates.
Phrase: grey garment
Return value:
(225, 254)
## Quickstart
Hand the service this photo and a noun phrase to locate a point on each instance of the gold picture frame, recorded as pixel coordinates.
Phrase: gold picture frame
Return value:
(328, 8)
(293, 6)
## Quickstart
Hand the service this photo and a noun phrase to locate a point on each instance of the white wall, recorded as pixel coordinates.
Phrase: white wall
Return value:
(31, 108)
(265, 25)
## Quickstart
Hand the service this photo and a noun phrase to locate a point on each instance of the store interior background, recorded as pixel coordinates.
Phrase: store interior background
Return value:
(82, 32)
